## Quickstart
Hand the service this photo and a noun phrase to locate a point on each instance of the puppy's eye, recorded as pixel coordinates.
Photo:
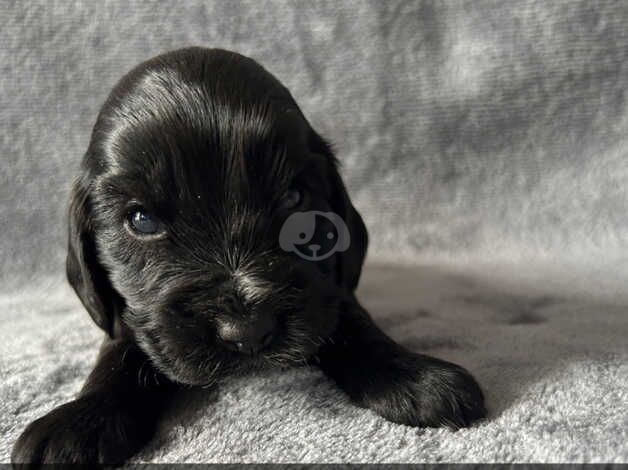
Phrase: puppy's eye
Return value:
(143, 223)
(291, 199)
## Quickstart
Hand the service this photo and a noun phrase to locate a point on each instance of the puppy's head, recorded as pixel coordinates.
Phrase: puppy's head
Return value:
(197, 160)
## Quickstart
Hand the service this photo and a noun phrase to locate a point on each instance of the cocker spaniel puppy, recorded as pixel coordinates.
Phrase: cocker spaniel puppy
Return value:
(210, 233)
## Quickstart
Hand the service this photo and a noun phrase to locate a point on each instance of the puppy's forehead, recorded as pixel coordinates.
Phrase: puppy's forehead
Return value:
(179, 128)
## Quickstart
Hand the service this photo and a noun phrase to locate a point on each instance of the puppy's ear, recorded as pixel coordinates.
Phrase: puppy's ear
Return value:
(351, 260)
(85, 273)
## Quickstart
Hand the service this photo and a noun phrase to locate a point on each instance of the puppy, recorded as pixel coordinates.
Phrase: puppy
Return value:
(189, 248)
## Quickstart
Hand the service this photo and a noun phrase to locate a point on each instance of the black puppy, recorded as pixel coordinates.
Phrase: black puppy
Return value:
(197, 160)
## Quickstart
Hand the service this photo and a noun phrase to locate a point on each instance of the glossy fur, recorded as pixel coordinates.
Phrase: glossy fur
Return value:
(209, 141)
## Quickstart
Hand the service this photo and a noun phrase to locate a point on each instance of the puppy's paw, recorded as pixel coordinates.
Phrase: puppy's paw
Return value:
(422, 391)
(88, 430)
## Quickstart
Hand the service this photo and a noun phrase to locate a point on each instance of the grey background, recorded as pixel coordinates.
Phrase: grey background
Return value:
(466, 129)
(485, 144)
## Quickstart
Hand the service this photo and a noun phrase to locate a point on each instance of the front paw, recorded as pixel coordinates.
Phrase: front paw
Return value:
(87, 430)
(422, 391)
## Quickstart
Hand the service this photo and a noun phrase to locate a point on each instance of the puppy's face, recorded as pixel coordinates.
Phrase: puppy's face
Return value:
(197, 160)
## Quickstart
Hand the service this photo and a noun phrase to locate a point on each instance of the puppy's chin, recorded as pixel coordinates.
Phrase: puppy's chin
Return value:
(193, 357)
(207, 368)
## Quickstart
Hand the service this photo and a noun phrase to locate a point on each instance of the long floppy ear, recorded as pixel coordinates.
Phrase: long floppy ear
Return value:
(351, 260)
(85, 273)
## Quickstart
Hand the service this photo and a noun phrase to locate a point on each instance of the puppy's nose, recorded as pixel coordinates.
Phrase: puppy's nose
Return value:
(247, 336)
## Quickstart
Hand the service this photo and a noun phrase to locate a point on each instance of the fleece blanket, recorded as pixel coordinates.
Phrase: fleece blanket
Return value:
(485, 144)
(553, 363)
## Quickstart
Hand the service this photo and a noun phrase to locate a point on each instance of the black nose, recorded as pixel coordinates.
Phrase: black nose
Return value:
(247, 336)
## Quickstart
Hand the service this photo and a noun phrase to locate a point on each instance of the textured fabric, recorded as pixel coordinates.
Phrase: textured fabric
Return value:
(476, 136)
(554, 367)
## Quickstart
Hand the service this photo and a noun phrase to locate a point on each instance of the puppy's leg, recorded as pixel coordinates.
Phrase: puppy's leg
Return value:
(112, 418)
(401, 386)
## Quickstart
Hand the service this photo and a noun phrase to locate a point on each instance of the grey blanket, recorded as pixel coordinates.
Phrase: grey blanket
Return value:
(485, 144)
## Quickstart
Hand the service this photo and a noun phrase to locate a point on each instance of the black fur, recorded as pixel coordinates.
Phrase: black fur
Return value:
(209, 141)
